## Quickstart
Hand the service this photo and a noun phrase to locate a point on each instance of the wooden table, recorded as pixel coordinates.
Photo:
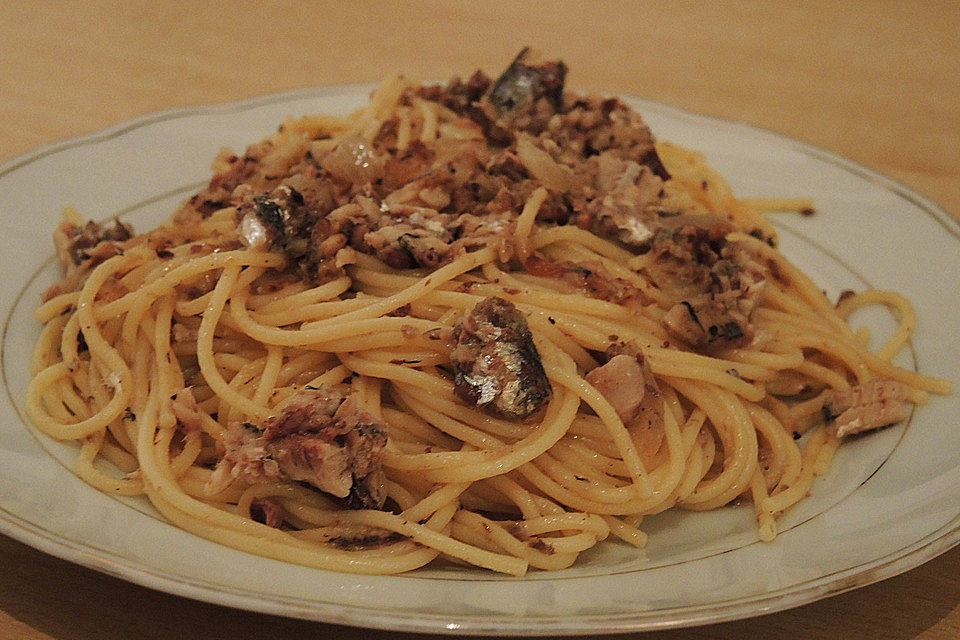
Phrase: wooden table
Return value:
(875, 82)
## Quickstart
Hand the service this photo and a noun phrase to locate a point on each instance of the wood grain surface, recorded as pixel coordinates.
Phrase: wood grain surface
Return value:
(877, 82)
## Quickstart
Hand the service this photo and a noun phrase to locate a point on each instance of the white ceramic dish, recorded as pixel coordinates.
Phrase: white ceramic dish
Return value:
(890, 503)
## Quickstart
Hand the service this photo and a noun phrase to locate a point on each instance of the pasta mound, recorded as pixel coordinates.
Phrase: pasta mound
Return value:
(492, 322)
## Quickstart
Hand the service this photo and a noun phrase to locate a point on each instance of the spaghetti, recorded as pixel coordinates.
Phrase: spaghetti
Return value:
(491, 322)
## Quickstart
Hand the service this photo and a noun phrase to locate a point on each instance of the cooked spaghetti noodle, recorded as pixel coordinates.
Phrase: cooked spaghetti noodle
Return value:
(492, 323)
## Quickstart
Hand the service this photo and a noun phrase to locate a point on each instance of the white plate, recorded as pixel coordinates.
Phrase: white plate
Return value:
(890, 503)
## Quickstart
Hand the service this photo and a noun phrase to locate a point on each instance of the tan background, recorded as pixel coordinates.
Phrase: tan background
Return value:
(878, 82)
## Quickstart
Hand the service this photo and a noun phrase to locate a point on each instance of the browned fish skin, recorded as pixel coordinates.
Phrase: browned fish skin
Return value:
(497, 364)
(523, 83)
(287, 221)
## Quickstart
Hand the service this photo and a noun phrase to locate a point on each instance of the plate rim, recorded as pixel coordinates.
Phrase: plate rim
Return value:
(896, 562)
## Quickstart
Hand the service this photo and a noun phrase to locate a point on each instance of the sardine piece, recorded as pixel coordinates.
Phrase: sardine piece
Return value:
(710, 321)
(282, 216)
(871, 405)
(497, 364)
(628, 384)
(403, 246)
(285, 221)
(523, 83)
(77, 243)
(622, 382)
(321, 438)
(266, 512)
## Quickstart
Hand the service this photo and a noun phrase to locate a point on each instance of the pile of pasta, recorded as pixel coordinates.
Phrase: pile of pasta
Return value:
(239, 328)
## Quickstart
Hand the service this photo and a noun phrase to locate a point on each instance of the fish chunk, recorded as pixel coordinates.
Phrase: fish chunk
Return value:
(497, 364)
(874, 404)
(628, 384)
(320, 437)
(523, 83)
